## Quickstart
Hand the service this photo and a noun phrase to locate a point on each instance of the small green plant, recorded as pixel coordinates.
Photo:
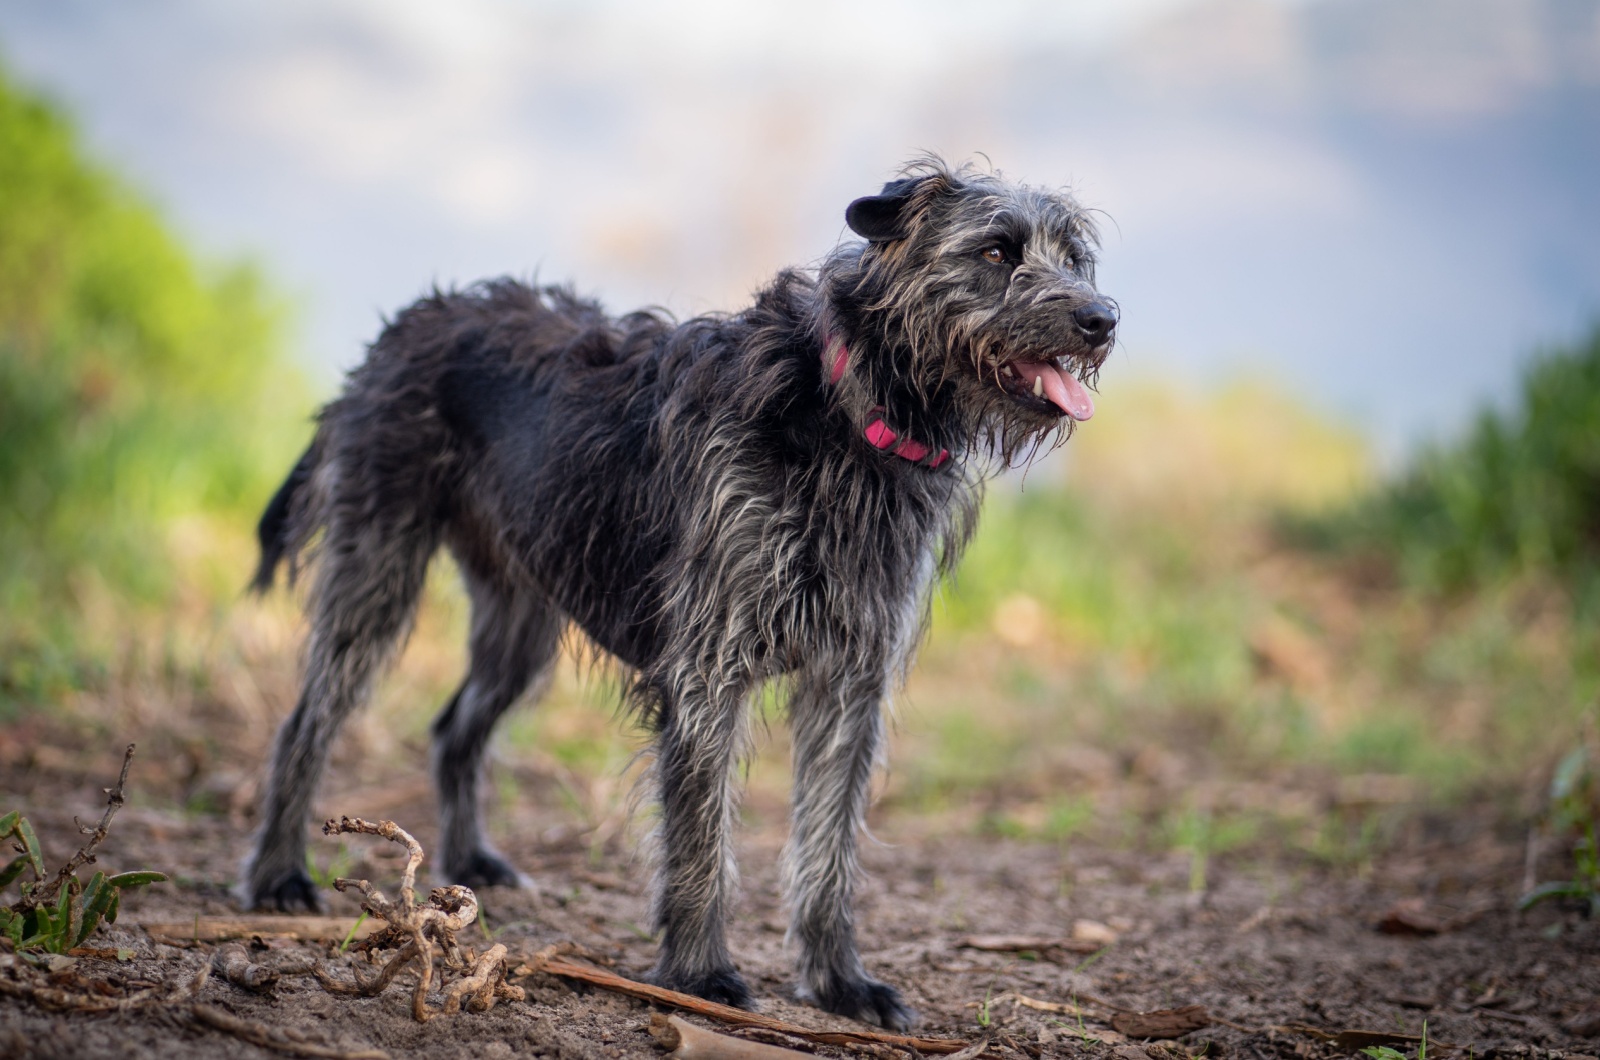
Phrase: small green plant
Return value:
(1385, 1052)
(984, 1019)
(350, 936)
(1203, 835)
(58, 912)
(339, 863)
(1574, 807)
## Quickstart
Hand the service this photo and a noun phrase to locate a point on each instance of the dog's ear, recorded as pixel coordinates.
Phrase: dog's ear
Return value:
(881, 217)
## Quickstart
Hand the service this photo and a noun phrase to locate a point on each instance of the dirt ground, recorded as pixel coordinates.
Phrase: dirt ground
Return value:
(1273, 946)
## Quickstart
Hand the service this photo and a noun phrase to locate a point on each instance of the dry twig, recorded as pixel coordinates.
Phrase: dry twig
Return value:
(49, 892)
(413, 931)
(548, 962)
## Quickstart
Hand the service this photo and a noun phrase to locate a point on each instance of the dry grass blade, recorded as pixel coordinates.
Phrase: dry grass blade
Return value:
(547, 962)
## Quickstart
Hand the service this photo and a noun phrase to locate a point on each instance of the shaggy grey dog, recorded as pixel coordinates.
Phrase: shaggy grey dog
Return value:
(714, 503)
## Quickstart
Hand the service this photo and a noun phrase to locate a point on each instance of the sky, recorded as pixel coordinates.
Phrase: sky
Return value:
(1385, 205)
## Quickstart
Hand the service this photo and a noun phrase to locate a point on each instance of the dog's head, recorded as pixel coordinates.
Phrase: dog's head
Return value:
(972, 308)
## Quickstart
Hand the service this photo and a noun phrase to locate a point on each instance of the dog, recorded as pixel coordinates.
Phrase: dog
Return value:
(713, 503)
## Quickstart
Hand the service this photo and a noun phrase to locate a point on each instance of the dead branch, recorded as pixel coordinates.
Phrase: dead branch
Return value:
(47, 893)
(485, 985)
(415, 929)
(685, 1041)
(546, 961)
(233, 961)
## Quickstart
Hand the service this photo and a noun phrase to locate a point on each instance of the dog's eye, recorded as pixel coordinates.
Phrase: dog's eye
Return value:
(994, 256)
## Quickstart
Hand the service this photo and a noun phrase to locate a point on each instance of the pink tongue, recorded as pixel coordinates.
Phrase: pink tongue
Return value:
(1061, 387)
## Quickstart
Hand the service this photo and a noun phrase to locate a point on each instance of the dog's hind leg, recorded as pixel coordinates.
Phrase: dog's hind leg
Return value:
(837, 721)
(368, 581)
(704, 730)
(515, 635)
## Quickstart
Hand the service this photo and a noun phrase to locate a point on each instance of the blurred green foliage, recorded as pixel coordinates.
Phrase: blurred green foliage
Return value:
(138, 389)
(1519, 494)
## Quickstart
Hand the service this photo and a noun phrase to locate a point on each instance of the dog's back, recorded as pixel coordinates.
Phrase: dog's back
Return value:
(523, 428)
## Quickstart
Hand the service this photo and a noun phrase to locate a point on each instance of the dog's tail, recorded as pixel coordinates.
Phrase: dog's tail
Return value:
(276, 530)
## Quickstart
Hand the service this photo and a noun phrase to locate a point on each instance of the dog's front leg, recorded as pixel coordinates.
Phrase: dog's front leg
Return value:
(703, 733)
(838, 726)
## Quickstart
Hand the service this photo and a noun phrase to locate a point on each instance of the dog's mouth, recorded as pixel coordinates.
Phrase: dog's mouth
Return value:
(1050, 385)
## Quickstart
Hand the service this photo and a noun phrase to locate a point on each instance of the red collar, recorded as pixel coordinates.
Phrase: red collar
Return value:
(879, 434)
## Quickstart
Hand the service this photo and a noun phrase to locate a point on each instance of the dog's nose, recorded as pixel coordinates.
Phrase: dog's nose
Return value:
(1096, 320)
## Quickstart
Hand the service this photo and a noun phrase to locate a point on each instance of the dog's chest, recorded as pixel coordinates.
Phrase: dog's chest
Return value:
(852, 570)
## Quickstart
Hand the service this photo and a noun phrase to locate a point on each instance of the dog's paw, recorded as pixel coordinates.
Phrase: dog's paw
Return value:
(725, 986)
(287, 892)
(867, 1000)
(485, 869)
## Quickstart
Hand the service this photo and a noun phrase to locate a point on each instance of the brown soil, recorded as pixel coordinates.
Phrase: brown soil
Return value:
(1275, 942)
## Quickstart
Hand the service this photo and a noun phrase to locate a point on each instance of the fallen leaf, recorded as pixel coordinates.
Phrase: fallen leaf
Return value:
(1411, 917)
(1093, 932)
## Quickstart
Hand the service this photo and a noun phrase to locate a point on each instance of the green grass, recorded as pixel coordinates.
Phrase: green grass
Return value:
(144, 408)
(1516, 495)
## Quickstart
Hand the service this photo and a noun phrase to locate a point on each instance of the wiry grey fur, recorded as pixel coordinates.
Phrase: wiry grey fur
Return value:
(700, 500)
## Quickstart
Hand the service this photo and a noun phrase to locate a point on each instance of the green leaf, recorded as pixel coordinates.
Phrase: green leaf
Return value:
(73, 926)
(9, 821)
(96, 900)
(13, 870)
(1545, 891)
(36, 930)
(1569, 773)
(137, 879)
(116, 904)
(31, 843)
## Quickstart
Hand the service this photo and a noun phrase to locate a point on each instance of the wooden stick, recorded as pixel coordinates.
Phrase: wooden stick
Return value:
(224, 928)
(547, 962)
